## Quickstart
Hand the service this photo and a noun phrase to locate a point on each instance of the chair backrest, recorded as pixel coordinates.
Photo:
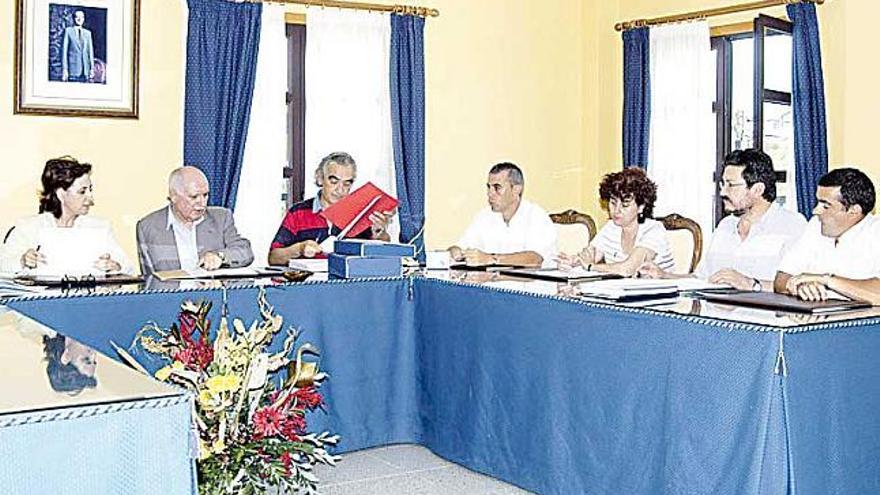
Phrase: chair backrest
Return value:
(686, 240)
(574, 230)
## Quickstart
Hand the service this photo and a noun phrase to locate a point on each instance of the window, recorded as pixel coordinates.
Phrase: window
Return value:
(294, 172)
(753, 100)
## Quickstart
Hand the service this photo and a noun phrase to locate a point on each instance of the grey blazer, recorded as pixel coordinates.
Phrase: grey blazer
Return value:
(157, 249)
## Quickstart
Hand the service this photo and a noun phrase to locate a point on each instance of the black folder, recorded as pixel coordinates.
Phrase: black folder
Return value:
(781, 302)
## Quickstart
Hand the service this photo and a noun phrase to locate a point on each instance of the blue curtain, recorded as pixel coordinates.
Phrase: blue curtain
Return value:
(636, 97)
(808, 103)
(221, 63)
(408, 125)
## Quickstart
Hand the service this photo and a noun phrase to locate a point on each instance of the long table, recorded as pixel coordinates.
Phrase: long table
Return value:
(563, 396)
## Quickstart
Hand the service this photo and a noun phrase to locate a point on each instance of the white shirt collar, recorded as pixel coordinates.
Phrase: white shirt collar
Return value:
(173, 221)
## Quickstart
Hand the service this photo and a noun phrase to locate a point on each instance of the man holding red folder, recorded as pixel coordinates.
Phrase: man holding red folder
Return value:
(304, 228)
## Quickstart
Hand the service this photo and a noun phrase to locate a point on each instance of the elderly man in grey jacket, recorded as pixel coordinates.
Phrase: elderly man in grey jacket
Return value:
(188, 234)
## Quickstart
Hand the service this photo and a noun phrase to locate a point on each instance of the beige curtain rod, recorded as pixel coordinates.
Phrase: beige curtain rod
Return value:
(378, 7)
(702, 14)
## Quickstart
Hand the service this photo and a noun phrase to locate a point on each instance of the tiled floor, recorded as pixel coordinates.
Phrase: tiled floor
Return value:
(406, 469)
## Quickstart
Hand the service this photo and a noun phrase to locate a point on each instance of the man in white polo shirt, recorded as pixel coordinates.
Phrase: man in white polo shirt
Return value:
(511, 231)
(748, 244)
(840, 249)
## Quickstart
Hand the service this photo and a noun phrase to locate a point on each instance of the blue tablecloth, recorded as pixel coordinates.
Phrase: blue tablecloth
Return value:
(564, 397)
(133, 448)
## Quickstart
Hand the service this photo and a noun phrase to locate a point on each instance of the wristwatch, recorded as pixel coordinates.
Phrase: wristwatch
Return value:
(756, 285)
(221, 256)
(495, 260)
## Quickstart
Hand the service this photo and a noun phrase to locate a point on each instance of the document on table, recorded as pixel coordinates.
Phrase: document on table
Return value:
(576, 274)
(628, 288)
(70, 251)
(244, 272)
(314, 265)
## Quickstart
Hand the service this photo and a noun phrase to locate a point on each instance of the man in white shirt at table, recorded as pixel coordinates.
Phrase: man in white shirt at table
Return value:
(839, 250)
(748, 244)
(511, 231)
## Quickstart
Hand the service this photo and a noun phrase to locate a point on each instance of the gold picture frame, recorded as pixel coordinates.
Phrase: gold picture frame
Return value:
(77, 58)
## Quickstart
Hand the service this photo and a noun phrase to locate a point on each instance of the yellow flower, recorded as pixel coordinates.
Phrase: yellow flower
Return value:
(163, 373)
(204, 451)
(206, 399)
(218, 446)
(223, 383)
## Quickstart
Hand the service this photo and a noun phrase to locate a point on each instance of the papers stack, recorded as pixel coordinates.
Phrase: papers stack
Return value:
(627, 289)
(314, 265)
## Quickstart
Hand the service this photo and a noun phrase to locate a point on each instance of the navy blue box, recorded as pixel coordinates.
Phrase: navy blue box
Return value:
(359, 247)
(363, 266)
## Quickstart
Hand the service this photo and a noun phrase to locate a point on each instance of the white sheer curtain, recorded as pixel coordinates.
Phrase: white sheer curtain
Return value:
(348, 101)
(258, 205)
(681, 156)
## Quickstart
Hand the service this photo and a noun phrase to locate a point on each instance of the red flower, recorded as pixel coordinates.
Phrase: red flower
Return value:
(195, 355)
(293, 426)
(286, 461)
(308, 398)
(267, 422)
(187, 325)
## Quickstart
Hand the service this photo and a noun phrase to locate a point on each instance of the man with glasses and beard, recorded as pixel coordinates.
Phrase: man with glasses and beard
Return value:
(749, 243)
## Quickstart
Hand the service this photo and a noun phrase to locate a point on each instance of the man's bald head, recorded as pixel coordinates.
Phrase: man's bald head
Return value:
(188, 193)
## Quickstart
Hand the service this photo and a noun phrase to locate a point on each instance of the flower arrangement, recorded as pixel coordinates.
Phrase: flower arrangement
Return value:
(252, 428)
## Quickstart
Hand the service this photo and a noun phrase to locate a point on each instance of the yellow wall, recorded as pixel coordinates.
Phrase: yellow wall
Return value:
(504, 82)
(132, 158)
(537, 83)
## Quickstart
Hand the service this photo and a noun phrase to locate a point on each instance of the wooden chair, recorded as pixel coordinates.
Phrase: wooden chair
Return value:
(689, 248)
(574, 230)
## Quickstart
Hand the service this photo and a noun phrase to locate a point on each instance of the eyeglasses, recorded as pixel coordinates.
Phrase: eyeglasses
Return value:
(722, 184)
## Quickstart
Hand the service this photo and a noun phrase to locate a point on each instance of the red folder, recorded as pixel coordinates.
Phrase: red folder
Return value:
(353, 211)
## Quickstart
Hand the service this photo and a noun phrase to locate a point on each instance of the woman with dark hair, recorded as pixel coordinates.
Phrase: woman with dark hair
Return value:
(70, 365)
(65, 201)
(632, 237)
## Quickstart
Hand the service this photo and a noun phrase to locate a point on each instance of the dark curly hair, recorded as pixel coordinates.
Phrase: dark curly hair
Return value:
(59, 173)
(630, 183)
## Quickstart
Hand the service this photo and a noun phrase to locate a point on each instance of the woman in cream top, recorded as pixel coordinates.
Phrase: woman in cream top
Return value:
(631, 237)
(65, 201)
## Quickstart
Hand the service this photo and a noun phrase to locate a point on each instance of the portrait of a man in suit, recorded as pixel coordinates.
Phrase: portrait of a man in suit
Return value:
(78, 53)
(77, 44)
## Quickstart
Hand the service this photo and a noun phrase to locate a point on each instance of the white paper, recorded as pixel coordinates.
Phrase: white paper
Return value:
(626, 287)
(327, 244)
(62, 259)
(438, 259)
(315, 265)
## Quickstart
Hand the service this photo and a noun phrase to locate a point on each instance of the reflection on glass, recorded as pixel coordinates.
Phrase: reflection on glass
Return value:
(69, 364)
(779, 144)
(777, 61)
(742, 111)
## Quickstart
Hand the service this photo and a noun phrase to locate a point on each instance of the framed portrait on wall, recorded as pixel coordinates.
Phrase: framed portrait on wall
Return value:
(77, 58)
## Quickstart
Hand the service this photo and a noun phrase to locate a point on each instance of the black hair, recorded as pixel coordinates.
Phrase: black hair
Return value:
(59, 173)
(513, 172)
(855, 187)
(63, 377)
(758, 167)
(631, 182)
